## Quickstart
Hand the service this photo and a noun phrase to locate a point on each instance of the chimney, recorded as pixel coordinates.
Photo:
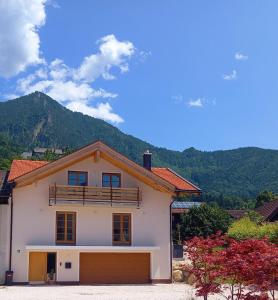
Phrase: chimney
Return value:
(147, 160)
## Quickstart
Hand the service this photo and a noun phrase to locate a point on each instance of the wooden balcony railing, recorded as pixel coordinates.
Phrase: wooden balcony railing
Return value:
(62, 194)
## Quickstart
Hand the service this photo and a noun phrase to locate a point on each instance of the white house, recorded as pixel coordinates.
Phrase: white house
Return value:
(93, 216)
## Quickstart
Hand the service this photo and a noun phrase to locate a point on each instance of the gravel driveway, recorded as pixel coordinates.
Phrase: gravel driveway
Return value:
(99, 292)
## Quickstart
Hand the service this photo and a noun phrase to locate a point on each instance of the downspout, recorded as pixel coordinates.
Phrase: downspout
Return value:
(11, 229)
(171, 241)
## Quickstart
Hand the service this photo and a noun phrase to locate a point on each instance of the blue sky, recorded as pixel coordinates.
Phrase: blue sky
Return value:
(177, 74)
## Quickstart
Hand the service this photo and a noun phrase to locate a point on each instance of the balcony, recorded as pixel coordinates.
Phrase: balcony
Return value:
(88, 195)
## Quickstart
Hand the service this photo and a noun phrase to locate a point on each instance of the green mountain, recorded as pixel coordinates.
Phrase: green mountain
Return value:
(230, 177)
(8, 151)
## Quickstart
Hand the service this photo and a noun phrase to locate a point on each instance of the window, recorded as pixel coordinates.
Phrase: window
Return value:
(65, 227)
(111, 180)
(121, 229)
(77, 178)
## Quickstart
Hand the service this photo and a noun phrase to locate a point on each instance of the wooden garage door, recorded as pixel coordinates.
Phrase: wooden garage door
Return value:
(114, 268)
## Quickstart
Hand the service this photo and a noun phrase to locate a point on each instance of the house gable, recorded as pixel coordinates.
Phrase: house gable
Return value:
(97, 151)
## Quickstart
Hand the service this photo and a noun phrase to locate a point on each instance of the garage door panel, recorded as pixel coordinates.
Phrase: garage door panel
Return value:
(114, 268)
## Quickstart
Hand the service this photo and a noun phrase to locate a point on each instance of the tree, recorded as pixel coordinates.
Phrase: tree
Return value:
(253, 264)
(50, 155)
(204, 221)
(247, 269)
(8, 152)
(264, 197)
(205, 264)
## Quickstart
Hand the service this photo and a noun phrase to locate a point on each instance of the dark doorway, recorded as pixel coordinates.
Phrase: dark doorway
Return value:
(51, 263)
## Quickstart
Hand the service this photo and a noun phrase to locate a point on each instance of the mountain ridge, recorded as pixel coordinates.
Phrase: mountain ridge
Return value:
(226, 176)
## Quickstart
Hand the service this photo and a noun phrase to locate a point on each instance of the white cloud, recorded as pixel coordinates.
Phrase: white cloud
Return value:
(112, 53)
(20, 21)
(143, 55)
(101, 111)
(177, 99)
(59, 71)
(72, 87)
(53, 3)
(19, 39)
(240, 56)
(59, 84)
(196, 103)
(231, 76)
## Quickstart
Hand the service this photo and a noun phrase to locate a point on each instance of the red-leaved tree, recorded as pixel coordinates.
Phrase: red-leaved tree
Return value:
(248, 268)
(206, 255)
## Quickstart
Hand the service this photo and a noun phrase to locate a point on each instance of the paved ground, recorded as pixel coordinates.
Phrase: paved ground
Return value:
(100, 292)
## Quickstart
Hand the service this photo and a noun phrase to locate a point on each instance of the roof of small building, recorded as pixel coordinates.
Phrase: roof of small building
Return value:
(4, 187)
(40, 150)
(3, 175)
(185, 204)
(236, 213)
(20, 167)
(178, 181)
(269, 209)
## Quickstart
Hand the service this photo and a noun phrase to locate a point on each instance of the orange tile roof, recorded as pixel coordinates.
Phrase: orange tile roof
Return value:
(20, 167)
(179, 182)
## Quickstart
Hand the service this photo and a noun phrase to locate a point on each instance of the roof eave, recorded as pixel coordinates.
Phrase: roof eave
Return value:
(182, 191)
(181, 177)
(88, 151)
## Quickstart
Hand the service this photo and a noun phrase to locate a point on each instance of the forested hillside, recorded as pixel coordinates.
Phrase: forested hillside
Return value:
(230, 178)
(8, 151)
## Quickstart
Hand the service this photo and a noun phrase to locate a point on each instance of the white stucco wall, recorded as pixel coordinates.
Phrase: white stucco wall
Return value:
(4, 240)
(64, 274)
(34, 221)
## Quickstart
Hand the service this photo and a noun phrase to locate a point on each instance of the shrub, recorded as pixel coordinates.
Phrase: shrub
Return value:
(204, 221)
(243, 229)
(255, 217)
(270, 230)
(246, 229)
